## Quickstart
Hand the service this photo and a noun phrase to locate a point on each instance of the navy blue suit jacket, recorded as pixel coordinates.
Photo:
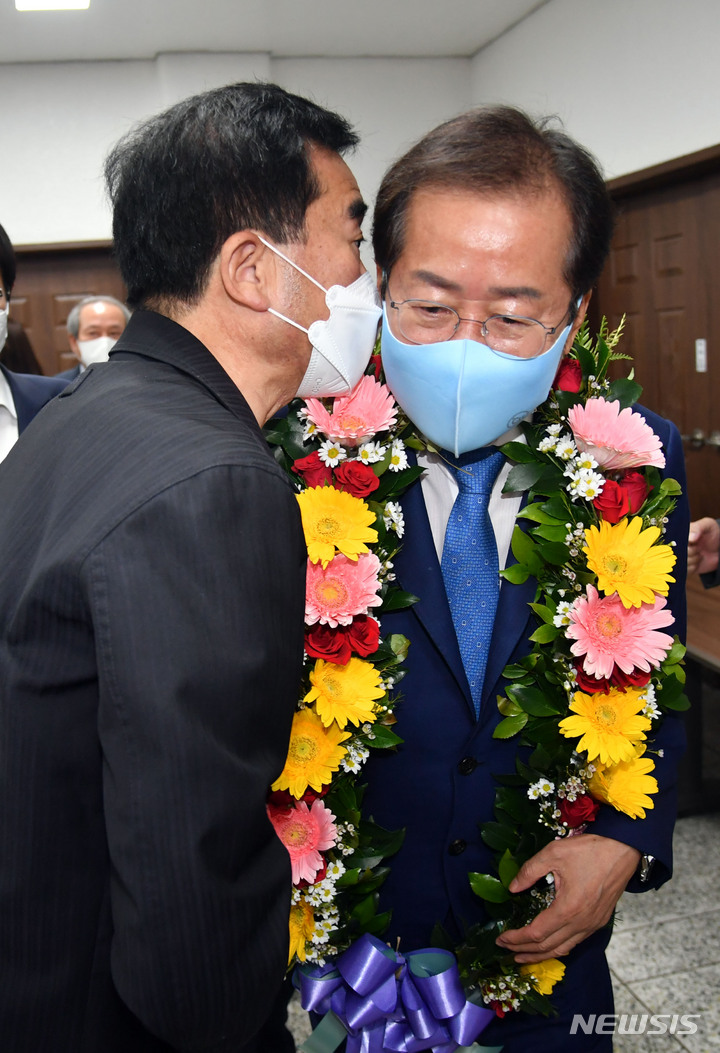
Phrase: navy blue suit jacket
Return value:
(30, 393)
(440, 783)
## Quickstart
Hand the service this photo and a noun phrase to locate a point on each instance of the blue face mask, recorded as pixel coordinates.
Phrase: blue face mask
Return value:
(460, 393)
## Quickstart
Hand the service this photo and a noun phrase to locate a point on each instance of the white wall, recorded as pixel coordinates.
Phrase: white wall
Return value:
(637, 81)
(63, 117)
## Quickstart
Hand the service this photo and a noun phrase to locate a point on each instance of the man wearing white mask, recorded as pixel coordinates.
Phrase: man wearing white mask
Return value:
(22, 395)
(94, 326)
(154, 586)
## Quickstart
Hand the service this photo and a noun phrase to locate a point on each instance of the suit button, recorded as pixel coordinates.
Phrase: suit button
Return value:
(467, 765)
(456, 848)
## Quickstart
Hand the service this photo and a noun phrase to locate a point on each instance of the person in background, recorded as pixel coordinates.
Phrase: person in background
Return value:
(17, 355)
(21, 395)
(703, 550)
(94, 326)
(153, 590)
(493, 224)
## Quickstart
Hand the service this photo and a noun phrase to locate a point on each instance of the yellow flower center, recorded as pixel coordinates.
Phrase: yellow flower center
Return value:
(331, 685)
(303, 749)
(615, 565)
(608, 625)
(296, 834)
(332, 593)
(606, 714)
(350, 423)
(327, 527)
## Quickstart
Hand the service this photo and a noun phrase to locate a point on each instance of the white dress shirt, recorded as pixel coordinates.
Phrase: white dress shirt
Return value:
(8, 419)
(440, 489)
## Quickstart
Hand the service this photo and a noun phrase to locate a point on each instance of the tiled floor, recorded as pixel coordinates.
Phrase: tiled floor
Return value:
(665, 952)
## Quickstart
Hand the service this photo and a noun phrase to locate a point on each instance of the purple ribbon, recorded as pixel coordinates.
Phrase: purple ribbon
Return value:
(387, 1001)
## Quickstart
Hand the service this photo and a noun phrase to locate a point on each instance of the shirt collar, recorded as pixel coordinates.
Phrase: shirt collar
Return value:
(6, 398)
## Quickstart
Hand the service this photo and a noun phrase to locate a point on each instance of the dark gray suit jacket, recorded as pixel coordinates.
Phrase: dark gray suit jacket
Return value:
(152, 593)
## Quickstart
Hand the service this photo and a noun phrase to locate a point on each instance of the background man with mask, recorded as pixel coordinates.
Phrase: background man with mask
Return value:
(490, 233)
(153, 592)
(22, 395)
(94, 326)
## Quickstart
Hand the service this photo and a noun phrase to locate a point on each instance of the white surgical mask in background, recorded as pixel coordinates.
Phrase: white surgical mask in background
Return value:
(95, 350)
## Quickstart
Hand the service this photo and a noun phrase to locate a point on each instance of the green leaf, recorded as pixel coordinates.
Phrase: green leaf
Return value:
(670, 488)
(498, 836)
(587, 361)
(488, 887)
(516, 574)
(399, 645)
(544, 613)
(534, 701)
(525, 551)
(624, 391)
(510, 726)
(395, 483)
(508, 707)
(522, 477)
(383, 737)
(556, 534)
(545, 634)
(397, 600)
(536, 513)
(554, 552)
(520, 452)
(507, 868)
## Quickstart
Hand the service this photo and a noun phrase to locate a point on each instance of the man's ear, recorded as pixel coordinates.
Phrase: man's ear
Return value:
(247, 270)
(577, 322)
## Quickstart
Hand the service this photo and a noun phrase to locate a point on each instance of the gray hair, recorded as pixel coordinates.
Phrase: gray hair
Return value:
(73, 319)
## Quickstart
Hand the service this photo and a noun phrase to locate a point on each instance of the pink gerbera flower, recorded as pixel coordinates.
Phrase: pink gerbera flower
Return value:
(609, 634)
(615, 438)
(335, 594)
(368, 408)
(305, 832)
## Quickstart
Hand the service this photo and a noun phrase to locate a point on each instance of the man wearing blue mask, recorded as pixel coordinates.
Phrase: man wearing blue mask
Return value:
(489, 235)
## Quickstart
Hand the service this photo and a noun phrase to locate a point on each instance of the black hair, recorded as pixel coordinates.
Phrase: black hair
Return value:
(7, 261)
(230, 159)
(500, 149)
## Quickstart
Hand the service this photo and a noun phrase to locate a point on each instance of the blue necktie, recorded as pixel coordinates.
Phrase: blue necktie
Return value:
(470, 564)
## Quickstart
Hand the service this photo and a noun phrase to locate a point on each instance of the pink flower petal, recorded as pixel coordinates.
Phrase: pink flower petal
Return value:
(305, 832)
(609, 634)
(369, 408)
(335, 594)
(615, 438)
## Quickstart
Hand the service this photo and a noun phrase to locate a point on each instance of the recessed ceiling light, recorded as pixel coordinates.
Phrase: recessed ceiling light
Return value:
(52, 5)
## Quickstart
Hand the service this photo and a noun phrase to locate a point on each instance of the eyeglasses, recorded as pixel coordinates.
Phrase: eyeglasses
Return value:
(424, 322)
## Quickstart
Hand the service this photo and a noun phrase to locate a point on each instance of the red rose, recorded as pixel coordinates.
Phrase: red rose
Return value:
(589, 683)
(284, 799)
(364, 635)
(582, 810)
(356, 478)
(635, 679)
(313, 470)
(569, 376)
(331, 644)
(376, 363)
(613, 503)
(636, 488)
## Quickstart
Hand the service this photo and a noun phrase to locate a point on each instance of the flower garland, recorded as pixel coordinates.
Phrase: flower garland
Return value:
(584, 702)
(348, 488)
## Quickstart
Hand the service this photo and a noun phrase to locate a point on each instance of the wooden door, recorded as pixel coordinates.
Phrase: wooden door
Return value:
(51, 279)
(663, 274)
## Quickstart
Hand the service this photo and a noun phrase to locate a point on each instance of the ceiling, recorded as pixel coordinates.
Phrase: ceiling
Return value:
(141, 29)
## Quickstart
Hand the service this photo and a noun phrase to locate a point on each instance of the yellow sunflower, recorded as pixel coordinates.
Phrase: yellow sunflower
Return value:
(313, 755)
(627, 560)
(302, 926)
(609, 724)
(333, 519)
(544, 975)
(626, 786)
(343, 693)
